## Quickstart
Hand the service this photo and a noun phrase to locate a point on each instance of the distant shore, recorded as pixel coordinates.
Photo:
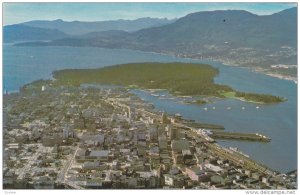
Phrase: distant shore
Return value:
(283, 77)
(255, 69)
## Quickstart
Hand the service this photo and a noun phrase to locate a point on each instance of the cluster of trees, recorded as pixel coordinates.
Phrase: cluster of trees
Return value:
(180, 78)
(264, 98)
(177, 78)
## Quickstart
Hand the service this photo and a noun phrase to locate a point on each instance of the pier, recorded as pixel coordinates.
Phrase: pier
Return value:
(235, 157)
(240, 136)
(239, 159)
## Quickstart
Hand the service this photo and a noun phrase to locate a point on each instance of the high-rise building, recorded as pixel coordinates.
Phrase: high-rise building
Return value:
(174, 133)
(153, 132)
(65, 133)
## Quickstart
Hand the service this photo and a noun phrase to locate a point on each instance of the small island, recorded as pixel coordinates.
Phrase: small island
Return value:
(185, 79)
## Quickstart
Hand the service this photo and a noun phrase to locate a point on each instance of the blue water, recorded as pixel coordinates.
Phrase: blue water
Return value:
(22, 65)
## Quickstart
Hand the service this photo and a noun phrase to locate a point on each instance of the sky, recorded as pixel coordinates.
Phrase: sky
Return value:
(14, 13)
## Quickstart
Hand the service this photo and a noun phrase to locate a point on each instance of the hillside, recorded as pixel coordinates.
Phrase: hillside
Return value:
(218, 29)
(234, 37)
(235, 27)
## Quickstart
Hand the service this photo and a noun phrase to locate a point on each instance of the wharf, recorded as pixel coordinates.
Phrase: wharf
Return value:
(240, 136)
(240, 159)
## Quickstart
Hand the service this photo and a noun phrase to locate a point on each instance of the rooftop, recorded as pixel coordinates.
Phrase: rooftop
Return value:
(99, 153)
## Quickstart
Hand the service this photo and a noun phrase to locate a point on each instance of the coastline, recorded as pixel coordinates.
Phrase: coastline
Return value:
(175, 94)
(283, 77)
(254, 69)
(242, 147)
(248, 101)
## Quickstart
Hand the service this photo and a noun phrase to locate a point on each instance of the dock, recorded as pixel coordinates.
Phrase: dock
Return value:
(239, 159)
(240, 136)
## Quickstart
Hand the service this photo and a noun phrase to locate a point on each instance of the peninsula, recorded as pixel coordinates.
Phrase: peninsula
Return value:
(178, 78)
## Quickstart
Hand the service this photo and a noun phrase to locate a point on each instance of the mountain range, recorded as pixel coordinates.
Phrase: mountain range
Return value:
(50, 30)
(19, 32)
(79, 28)
(231, 36)
(234, 27)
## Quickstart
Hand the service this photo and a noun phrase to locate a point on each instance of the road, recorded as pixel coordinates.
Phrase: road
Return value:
(236, 158)
(61, 178)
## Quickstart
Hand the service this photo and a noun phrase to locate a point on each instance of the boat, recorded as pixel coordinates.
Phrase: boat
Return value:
(177, 115)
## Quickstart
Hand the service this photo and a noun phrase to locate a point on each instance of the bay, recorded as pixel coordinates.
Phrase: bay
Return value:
(22, 65)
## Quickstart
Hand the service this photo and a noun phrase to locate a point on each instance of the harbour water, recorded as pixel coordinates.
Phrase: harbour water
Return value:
(22, 65)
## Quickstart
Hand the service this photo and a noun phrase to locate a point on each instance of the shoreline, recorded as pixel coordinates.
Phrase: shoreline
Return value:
(282, 77)
(195, 103)
(249, 101)
(153, 91)
(254, 69)
(193, 136)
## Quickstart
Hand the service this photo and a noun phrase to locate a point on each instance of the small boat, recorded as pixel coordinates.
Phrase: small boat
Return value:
(177, 115)
(213, 108)
(205, 109)
(243, 108)
(257, 107)
(228, 108)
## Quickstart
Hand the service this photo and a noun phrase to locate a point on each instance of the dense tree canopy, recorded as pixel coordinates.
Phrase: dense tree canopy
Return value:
(178, 78)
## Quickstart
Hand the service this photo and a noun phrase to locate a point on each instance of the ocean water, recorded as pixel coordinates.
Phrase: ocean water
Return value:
(22, 65)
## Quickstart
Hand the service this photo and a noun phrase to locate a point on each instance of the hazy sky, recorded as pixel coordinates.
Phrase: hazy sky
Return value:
(20, 12)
